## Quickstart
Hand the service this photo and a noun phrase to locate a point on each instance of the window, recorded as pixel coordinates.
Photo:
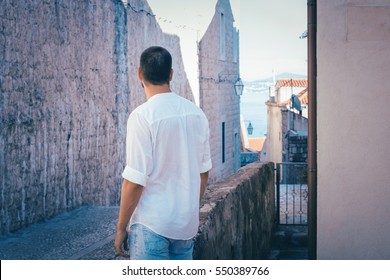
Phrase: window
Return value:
(222, 38)
(223, 142)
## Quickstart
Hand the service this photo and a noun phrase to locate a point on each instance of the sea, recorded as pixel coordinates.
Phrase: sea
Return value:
(253, 107)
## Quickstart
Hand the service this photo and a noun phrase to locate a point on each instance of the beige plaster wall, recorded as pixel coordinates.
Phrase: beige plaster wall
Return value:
(353, 129)
(274, 132)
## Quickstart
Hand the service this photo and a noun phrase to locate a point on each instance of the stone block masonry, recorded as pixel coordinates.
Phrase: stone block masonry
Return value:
(68, 83)
(218, 72)
(297, 148)
(294, 137)
(237, 217)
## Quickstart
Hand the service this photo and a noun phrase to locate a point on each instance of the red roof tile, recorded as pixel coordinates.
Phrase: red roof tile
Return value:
(291, 83)
(256, 143)
(302, 96)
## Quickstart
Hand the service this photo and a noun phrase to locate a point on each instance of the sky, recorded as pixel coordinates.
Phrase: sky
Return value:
(269, 37)
(269, 34)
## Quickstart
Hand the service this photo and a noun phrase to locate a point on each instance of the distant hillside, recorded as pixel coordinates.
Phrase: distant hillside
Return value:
(270, 79)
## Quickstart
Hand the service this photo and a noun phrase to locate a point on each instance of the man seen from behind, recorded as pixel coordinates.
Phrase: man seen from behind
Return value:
(167, 164)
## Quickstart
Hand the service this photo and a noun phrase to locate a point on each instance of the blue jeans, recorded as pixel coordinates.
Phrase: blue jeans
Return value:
(145, 244)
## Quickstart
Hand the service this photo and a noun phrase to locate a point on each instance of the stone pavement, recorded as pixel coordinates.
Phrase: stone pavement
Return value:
(86, 233)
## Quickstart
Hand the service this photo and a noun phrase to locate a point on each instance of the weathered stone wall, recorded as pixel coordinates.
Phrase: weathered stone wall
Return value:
(68, 83)
(297, 148)
(293, 121)
(218, 72)
(237, 216)
(294, 137)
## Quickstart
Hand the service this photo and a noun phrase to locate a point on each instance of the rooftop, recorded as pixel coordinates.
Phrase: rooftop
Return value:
(291, 83)
(256, 143)
(302, 96)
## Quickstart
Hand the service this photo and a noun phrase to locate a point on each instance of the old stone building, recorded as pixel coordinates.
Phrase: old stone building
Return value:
(68, 83)
(278, 124)
(218, 72)
(294, 137)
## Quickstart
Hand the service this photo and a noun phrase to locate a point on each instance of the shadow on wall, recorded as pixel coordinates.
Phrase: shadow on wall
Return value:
(237, 216)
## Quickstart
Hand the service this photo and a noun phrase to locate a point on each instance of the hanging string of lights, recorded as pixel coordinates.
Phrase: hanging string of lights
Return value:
(223, 78)
(238, 84)
(210, 58)
(161, 19)
(139, 11)
(184, 27)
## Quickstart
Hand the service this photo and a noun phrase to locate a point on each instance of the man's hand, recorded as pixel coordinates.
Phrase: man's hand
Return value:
(130, 195)
(121, 239)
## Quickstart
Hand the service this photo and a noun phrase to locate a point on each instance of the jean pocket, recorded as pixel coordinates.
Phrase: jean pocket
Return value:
(147, 245)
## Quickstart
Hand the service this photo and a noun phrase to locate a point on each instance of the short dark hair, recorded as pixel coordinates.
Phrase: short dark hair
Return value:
(156, 65)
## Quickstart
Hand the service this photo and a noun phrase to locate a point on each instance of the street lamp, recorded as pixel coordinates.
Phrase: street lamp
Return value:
(238, 87)
(250, 128)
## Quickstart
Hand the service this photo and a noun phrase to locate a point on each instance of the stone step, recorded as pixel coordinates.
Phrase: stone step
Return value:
(290, 236)
(296, 254)
(289, 242)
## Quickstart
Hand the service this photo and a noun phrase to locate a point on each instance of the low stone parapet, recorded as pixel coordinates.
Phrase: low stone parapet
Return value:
(237, 215)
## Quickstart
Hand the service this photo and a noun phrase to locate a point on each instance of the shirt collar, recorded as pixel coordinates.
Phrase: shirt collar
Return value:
(162, 95)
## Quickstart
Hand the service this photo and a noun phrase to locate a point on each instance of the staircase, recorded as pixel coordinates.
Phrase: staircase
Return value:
(289, 242)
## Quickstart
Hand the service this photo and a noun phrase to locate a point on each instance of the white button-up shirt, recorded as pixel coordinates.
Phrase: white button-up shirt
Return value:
(167, 147)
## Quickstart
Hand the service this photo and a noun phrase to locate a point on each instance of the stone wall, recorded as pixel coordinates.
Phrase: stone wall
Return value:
(297, 148)
(68, 83)
(294, 137)
(237, 216)
(218, 71)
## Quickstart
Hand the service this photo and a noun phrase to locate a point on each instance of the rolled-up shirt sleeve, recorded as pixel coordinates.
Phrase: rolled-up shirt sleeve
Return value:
(138, 150)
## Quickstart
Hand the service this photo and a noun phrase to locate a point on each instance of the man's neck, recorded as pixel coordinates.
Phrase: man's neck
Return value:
(152, 90)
